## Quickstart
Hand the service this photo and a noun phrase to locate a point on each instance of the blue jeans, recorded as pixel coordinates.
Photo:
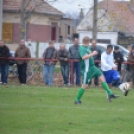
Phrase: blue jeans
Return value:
(48, 74)
(4, 73)
(77, 71)
(65, 73)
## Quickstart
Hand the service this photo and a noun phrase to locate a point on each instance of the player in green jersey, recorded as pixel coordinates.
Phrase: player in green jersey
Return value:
(89, 71)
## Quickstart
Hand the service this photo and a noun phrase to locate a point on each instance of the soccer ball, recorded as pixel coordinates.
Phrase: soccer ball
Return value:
(126, 86)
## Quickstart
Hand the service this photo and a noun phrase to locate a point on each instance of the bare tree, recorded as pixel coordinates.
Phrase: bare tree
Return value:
(25, 13)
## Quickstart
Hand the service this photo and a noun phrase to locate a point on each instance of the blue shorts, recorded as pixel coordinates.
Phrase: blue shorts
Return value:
(111, 76)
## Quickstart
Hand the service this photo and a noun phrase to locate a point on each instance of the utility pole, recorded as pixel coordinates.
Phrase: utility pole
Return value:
(22, 20)
(1, 17)
(95, 11)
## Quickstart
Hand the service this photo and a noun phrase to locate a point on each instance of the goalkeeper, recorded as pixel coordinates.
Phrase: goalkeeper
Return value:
(89, 71)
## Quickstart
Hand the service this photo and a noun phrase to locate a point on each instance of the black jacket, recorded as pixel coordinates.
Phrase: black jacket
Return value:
(61, 55)
(118, 57)
(74, 52)
(50, 53)
(98, 56)
(4, 52)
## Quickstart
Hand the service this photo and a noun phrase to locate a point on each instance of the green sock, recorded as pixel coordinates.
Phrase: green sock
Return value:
(80, 93)
(106, 87)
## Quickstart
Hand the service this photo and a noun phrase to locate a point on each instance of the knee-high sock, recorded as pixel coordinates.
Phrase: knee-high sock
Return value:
(79, 94)
(106, 87)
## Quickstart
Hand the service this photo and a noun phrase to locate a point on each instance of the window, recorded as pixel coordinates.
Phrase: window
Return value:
(68, 30)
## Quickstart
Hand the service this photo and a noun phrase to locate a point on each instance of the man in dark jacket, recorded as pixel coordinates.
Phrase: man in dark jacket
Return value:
(4, 53)
(131, 59)
(118, 57)
(63, 56)
(49, 57)
(96, 58)
(74, 55)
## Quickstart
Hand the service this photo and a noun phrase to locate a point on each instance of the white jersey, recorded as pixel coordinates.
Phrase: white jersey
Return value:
(107, 61)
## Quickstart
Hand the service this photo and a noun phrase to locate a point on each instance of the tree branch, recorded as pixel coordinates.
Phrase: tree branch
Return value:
(27, 4)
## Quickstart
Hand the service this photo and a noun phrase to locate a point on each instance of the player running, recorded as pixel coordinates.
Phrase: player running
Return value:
(89, 71)
(110, 72)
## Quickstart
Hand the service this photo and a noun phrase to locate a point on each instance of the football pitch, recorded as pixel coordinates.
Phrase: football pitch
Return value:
(45, 110)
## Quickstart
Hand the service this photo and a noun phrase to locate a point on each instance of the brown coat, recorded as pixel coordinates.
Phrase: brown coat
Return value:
(131, 59)
(22, 52)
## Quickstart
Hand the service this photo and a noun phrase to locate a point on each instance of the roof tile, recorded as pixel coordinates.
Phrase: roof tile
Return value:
(38, 6)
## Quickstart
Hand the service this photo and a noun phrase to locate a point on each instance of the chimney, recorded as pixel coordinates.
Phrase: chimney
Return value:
(81, 14)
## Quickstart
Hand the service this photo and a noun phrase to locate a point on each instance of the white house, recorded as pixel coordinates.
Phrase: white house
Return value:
(114, 17)
(104, 37)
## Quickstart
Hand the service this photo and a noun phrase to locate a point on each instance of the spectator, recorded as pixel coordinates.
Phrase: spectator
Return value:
(129, 47)
(22, 52)
(131, 59)
(63, 56)
(96, 57)
(4, 53)
(49, 55)
(118, 57)
(73, 51)
(126, 75)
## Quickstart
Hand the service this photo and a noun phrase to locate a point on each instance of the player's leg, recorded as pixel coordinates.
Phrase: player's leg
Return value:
(83, 88)
(80, 93)
(117, 83)
(104, 84)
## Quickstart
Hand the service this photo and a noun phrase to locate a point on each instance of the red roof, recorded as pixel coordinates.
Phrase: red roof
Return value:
(121, 12)
(38, 6)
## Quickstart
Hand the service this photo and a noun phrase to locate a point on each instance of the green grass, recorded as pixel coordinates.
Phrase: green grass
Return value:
(43, 110)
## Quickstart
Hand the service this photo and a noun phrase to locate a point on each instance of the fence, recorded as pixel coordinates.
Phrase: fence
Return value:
(35, 70)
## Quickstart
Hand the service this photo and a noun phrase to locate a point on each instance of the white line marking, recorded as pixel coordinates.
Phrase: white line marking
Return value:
(99, 109)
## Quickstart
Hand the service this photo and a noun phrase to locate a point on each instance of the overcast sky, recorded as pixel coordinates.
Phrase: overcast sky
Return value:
(73, 5)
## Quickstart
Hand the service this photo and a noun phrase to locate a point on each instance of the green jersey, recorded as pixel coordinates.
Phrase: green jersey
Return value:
(87, 63)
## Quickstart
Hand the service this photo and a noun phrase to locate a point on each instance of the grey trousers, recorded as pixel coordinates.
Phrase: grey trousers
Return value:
(127, 76)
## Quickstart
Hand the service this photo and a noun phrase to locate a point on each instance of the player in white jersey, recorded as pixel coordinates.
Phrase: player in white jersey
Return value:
(110, 72)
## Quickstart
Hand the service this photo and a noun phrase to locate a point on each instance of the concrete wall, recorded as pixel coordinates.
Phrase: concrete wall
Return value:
(42, 47)
(112, 36)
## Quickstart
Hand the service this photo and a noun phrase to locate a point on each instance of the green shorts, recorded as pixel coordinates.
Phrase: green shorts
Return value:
(93, 72)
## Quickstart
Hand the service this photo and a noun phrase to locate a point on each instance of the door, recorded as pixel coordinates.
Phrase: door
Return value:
(53, 33)
(7, 32)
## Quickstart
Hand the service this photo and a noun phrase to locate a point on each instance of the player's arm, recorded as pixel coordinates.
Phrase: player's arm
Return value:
(89, 55)
(114, 67)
